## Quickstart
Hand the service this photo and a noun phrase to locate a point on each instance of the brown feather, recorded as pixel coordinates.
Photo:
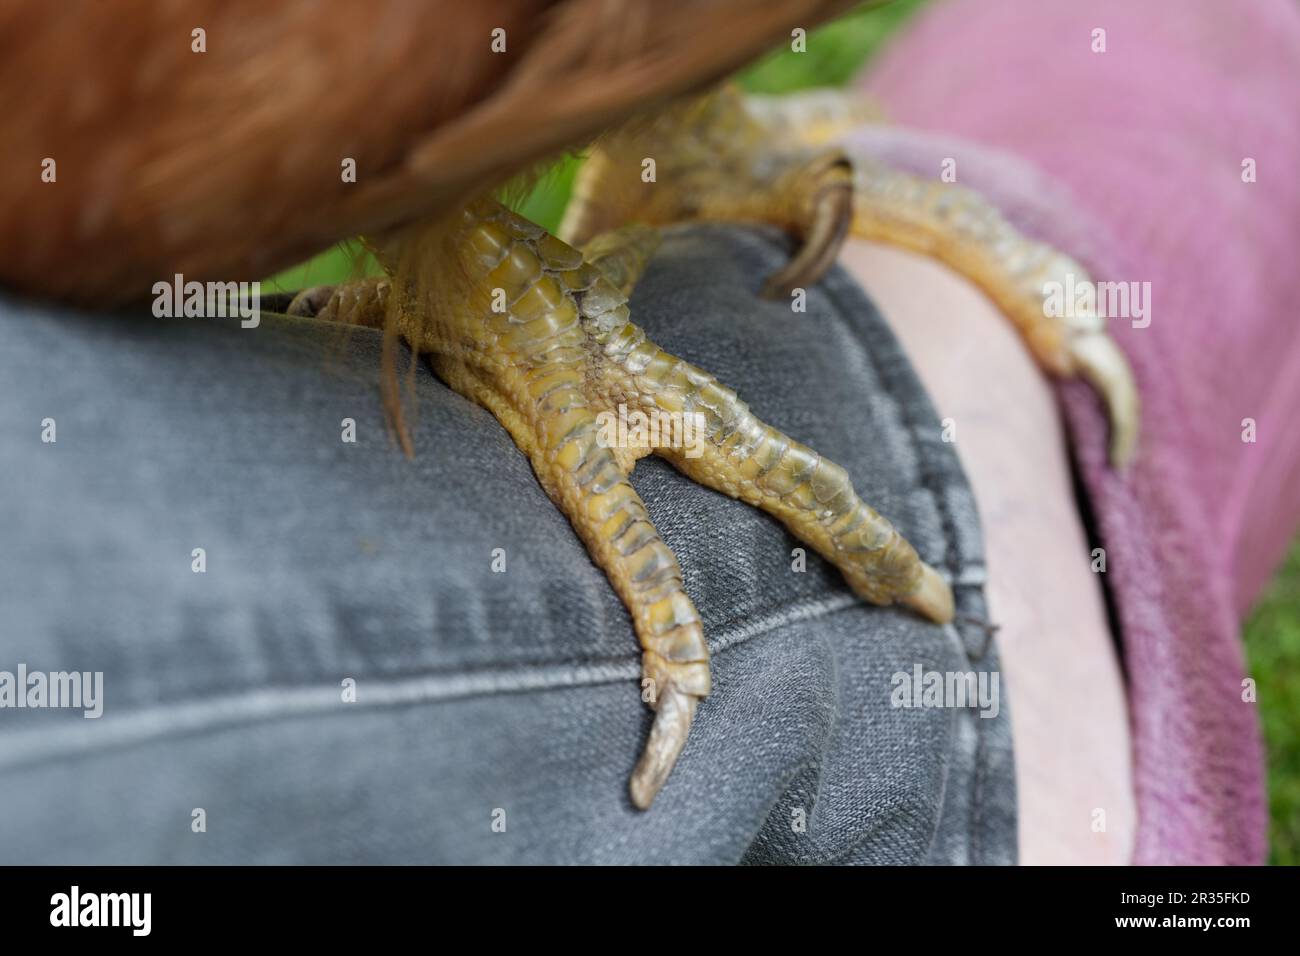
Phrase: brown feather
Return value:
(226, 164)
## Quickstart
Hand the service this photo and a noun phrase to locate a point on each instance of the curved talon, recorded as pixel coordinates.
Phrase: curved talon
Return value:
(957, 226)
(672, 724)
(1103, 365)
(828, 227)
(310, 302)
(933, 598)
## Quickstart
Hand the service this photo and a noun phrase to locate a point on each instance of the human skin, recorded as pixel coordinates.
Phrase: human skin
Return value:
(1068, 711)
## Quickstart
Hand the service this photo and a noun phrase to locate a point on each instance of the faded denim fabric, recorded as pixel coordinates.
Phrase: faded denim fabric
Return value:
(476, 691)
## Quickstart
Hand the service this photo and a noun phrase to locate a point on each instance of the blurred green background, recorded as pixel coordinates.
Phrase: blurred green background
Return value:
(1273, 658)
(834, 53)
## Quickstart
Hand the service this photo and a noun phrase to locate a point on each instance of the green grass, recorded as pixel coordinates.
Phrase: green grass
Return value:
(1273, 654)
(340, 262)
(835, 51)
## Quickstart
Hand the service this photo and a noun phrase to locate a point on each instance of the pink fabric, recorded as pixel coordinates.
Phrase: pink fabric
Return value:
(1142, 147)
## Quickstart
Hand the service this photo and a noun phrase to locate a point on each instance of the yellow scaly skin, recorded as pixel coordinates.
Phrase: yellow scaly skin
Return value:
(563, 351)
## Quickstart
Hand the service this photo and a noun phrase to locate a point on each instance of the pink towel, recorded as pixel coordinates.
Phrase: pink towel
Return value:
(1132, 160)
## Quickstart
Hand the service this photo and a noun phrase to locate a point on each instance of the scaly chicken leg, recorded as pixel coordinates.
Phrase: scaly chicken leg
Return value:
(540, 335)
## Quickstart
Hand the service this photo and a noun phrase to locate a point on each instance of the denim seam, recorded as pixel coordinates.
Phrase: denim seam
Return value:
(835, 712)
(212, 713)
(929, 479)
(837, 288)
(952, 555)
(946, 774)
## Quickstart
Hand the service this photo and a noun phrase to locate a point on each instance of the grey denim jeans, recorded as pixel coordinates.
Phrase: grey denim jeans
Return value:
(336, 570)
